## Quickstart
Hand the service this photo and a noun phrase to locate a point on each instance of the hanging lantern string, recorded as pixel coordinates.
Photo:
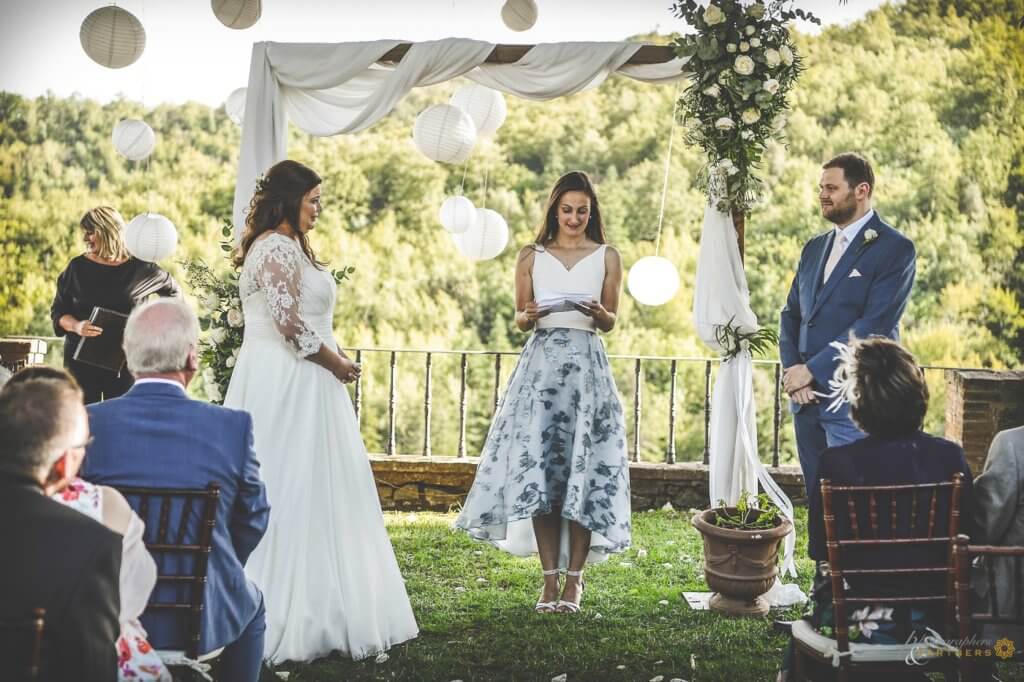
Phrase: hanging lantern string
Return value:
(483, 203)
(668, 164)
(462, 185)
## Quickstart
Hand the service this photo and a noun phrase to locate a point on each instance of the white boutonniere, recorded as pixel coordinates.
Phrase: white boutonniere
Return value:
(870, 235)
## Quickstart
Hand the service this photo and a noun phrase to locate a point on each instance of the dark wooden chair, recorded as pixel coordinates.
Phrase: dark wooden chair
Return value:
(887, 544)
(996, 623)
(21, 645)
(179, 535)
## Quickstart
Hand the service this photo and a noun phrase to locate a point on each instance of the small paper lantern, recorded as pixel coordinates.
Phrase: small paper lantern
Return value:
(150, 237)
(485, 106)
(519, 15)
(112, 37)
(237, 14)
(458, 214)
(133, 138)
(486, 239)
(653, 280)
(234, 106)
(444, 133)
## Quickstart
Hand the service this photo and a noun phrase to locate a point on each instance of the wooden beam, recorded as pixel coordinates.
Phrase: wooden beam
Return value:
(509, 54)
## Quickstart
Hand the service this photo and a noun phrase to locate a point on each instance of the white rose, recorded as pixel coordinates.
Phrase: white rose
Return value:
(744, 46)
(744, 65)
(786, 54)
(747, 135)
(771, 85)
(211, 301)
(219, 334)
(713, 15)
(209, 376)
(771, 58)
(236, 302)
(725, 123)
(235, 318)
(755, 42)
(756, 11)
(212, 391)
(730, 47)
(230, 362)
(749, 30)
(712, 91)
(750, 116)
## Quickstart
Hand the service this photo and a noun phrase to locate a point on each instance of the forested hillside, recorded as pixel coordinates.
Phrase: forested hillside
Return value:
(929, 90)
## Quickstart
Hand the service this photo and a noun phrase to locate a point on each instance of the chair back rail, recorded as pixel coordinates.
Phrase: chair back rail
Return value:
(171, 537)
(21, 645)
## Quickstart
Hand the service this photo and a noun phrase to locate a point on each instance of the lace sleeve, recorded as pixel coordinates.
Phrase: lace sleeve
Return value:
(279, 273)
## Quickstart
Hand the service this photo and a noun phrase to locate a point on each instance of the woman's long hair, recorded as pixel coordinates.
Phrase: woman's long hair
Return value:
(573, 181)
(278, 198)
(108, 227)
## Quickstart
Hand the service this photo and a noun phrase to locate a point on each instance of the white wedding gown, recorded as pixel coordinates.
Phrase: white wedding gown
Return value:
(326, 566)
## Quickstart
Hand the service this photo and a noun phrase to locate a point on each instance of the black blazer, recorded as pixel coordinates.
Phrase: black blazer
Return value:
(916, 458)
(65, 562)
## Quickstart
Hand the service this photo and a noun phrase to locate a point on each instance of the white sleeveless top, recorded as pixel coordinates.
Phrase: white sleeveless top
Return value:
(586, 277)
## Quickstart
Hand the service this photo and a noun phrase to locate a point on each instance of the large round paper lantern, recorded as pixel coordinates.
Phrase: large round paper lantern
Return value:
(112, 37)
(133, 138)
(458, 214)
(485, 106)
(653, 280)
(150, 237)
(486, 239)
(234, 106)
(519, 15)
(237, 14)
(444, 133)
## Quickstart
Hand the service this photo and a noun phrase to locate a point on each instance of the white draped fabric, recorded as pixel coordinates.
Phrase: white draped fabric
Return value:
(329, 89)
(721, 295)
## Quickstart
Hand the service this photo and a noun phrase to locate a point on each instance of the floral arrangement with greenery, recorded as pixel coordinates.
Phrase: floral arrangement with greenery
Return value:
(221, 316)
(744, 63)
(734, 340)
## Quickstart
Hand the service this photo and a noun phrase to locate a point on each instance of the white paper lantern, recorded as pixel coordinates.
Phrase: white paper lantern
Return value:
(237, 14)
(519, 15)
(444, 133)
(486, 239)
(485, 106)
(133, 138)
(150, 237)
(653, 280)
(458, 214)
(112, 37)
(234, 106)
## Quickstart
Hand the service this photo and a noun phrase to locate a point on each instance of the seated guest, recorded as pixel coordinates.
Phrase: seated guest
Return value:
(54, 558)
(888, 400)
(156, 436)
(136, 660)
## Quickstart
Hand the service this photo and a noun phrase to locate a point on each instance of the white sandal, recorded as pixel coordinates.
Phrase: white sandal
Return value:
(547, 606)
(564, 606)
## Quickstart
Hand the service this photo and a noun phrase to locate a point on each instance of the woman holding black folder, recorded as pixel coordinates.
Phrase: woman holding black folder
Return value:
(107, 277)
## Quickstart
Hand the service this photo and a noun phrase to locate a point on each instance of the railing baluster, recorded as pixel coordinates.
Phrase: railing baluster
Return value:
(462, 406)
(426, 410)
(670, 453)
(391, 404)
(638, 379)
(777, 416)
(707, 412)
(359, 386)
(497, 382)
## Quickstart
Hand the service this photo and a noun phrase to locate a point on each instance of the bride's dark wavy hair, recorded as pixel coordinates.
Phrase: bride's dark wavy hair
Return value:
(278, 198)
(573, 181)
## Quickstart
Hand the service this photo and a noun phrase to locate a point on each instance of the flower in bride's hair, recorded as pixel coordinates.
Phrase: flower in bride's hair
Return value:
(235, 318)
(261, 184)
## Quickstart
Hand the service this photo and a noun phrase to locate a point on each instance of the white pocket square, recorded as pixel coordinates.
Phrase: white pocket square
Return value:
(854, 273)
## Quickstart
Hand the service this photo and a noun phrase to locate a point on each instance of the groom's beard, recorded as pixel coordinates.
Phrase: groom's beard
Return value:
(840, 213)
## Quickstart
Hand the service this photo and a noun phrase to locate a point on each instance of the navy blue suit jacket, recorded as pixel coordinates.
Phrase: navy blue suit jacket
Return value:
(155, 435)
(868, 305)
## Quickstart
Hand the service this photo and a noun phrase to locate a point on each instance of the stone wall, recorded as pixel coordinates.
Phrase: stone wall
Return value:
(412, 482)
(979, 404)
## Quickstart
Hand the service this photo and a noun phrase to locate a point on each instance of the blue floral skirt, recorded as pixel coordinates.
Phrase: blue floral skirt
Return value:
(558, 441)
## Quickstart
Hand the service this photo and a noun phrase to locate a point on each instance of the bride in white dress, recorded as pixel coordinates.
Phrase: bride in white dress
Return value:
(326, 565)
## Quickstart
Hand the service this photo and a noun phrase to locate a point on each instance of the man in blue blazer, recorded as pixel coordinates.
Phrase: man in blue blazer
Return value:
(854, 279)
(155, 435)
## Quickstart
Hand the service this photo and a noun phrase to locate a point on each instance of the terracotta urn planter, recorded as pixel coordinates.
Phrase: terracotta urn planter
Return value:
(740, 565)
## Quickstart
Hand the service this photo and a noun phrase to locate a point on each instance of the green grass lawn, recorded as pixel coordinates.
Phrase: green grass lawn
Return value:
(474, 605)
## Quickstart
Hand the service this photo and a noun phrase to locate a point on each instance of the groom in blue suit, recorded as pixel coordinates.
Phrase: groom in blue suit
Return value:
(854, 279)
(156, 436)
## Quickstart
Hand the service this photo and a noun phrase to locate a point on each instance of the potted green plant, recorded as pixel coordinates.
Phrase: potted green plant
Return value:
(741, 552)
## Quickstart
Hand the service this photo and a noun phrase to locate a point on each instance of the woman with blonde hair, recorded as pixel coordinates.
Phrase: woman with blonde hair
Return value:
(105, 276)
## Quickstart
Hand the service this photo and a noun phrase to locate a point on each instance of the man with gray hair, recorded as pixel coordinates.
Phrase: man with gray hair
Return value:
(156, 436)
(57, 559)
